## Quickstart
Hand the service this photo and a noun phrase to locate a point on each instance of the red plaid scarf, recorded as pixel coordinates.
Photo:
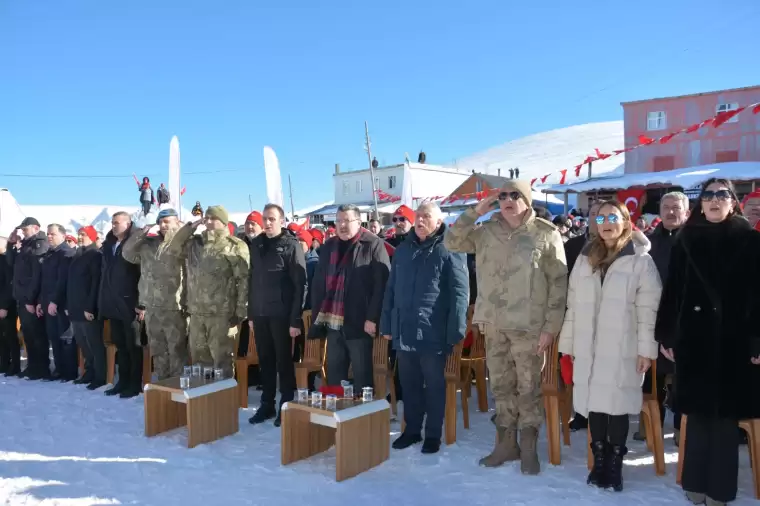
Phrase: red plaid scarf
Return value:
(331, 314)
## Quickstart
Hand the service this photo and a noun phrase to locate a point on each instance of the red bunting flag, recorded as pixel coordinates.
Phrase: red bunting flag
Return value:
(578, 170)
(756, 109)
(724, 116)
(665, 139)
(563, 172)
(600, 155)
(532, 181)
(643, 139)
(543, 179)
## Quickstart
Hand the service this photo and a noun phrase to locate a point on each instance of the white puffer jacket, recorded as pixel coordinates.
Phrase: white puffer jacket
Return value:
(608, 325)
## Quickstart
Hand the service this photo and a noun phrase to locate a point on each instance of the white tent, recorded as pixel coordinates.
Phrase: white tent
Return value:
(11, 214)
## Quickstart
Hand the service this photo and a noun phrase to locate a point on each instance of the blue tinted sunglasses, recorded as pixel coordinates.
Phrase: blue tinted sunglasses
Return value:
(612, 218)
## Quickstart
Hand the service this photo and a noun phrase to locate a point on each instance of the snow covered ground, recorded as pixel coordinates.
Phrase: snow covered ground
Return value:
(61, 444)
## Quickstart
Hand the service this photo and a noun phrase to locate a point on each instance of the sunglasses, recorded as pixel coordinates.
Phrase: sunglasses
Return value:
(721, 195)
(511, 195)
(612, 219)
(399, 219)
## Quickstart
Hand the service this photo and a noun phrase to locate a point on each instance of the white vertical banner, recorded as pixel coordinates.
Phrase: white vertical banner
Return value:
(407, 197)
(273, 179)
(174, 185)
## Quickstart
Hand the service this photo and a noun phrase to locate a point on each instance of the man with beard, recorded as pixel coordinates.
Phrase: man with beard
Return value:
(751, 208)
(55, 272)
(10, 350)
(82, 308)
(275, 301)
(118, 303)
(674, 210)
(162, 294)
(26, 260)
(403, 220)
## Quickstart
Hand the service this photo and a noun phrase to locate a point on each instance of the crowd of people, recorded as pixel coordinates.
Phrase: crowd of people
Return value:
(616, 299)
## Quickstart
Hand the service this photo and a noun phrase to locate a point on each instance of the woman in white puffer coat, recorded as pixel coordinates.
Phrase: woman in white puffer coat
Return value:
(612, 306)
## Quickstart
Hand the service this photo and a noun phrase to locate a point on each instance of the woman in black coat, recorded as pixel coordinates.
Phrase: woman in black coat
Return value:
(707, 321)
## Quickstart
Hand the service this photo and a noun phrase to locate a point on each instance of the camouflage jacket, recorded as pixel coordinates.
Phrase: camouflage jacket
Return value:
(217, 271)
(522, 273)
(162, 276)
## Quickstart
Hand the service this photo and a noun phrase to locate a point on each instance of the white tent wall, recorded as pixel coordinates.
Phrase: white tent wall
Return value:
(11, 214)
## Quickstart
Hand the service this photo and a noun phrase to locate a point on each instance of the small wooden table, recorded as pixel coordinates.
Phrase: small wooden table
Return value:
(208, 408)
(359, 430)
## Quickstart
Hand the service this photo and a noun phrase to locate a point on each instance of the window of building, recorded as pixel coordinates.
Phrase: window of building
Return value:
(657, 120)
(346, 187)
(478, 185)
(391, 182)
(728, 107)
(663, 163)
(726, 156)
(359, 186)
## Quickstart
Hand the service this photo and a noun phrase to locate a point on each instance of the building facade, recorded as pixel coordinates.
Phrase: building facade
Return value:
(738, 140)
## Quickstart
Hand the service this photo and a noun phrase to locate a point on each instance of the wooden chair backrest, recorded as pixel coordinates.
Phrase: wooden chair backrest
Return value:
(313, 348)
(478, 346)
(380, 352)
(452, 363)
(653, 372)
(550, 371)
(306, 317)
(253, 354)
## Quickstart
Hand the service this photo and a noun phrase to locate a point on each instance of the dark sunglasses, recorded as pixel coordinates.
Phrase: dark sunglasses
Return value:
(612, 219)
(511, 195)
(722, 195)
(399, 219)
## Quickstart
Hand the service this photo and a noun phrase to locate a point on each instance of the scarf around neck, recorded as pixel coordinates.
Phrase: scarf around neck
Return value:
(332, 311)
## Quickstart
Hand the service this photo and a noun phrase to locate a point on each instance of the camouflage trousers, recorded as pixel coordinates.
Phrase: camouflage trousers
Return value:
(212, 341)
(514, 371)
(167, 338)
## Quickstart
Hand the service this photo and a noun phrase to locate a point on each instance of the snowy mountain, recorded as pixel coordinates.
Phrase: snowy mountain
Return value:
(549, 152)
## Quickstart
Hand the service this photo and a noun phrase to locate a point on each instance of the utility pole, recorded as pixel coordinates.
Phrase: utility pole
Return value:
(292, 207)
(368, 149)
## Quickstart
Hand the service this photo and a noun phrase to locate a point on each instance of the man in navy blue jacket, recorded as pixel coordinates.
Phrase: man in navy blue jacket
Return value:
(425, 313)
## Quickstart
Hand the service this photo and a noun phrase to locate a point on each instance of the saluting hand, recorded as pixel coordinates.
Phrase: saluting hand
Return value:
(484, 205)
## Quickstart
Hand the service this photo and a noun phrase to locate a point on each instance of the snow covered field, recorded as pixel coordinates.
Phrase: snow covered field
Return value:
(61, 444)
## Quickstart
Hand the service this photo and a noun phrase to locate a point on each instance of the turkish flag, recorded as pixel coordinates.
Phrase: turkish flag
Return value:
(633, 200)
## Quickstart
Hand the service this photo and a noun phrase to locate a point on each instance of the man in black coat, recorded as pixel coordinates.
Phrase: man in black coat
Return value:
(275, 300)
(82, 308)
(674, 211)
(118, 303)
(347, 298)
(10, 349)
(55, 272)
(26, 259)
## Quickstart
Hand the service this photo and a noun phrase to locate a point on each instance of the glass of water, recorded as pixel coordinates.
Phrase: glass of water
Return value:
(303, 395)
(348, 389)
(316, 398)
(218, 374)
(367, 394)
(187, 371)
(208, 373)
(184, 382)
(196, 370)
(331, 401)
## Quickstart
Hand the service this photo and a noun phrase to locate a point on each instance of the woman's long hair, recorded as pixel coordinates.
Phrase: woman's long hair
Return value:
(697, 216)
(600, 256)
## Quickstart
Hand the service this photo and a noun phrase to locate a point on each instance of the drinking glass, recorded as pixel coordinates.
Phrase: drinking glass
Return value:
(196, 370)
(208, 373)
(303, 395)
(187, 371)
(348, 389)
(367, 394)
(331, 401)
(184, 382)
(218, 374)
(316, 398)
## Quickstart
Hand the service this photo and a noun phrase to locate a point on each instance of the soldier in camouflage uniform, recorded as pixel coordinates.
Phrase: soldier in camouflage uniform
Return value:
(217, 286)
(162, 294)
(522, 287)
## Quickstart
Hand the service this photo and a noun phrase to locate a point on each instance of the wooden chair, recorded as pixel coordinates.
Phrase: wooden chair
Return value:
(558, 404)
(241, 367)
(752, 428)
(382, 371)
(313, 353)
(650, 416)
(474, 362)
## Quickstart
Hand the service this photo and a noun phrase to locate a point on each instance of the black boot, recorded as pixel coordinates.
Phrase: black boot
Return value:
(598, 474)
(118, 388)
(405, 440)
(614, 466)
(264, 413)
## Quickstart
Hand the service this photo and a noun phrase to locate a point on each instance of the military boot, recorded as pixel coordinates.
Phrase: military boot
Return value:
(529, 463)
(614, 465)
(506, 449)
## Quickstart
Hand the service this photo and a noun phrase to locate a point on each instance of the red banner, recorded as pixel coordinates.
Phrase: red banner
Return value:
(633, 200)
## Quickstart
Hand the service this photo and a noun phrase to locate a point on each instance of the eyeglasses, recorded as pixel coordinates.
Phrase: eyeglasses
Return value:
(611, 219)
(399, 219)
(510, 195)
(721, 195)
(345, 222)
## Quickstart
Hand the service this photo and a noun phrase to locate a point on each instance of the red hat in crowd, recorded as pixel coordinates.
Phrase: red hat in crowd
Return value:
(70, 237)
(293, 227)
(406, 212)
(753, 195)
(90, 232)
(255, 217)
(656, 222)
(331, 230)
(317, 235)
(305, 236)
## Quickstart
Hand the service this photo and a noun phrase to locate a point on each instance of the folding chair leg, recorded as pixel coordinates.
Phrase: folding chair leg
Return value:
(450, 413)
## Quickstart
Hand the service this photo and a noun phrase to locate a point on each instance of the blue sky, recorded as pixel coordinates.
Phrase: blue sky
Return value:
(98, 88)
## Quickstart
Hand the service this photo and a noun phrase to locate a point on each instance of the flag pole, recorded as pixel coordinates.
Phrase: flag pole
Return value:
(368, 148)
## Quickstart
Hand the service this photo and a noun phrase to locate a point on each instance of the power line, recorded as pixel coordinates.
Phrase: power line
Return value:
(113, 176)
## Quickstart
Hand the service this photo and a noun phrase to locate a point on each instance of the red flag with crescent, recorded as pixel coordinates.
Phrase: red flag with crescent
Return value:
(633, 200)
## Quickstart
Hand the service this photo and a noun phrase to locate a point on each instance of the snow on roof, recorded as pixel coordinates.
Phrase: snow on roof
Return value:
(549, 152)
(685, 178)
